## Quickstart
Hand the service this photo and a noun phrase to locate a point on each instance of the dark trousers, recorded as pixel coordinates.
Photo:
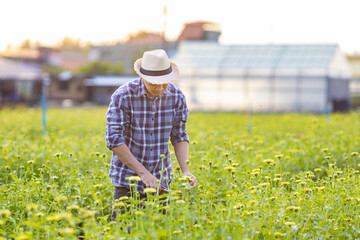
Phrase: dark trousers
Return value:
(122, 192)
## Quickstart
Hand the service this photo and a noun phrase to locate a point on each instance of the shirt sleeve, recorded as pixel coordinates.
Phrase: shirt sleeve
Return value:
(178, 131)
(117, 121)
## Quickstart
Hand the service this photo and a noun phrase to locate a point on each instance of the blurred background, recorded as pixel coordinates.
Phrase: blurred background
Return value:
(261, 55)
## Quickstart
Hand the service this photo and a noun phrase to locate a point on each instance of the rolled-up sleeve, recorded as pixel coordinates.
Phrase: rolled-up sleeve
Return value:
(117, 120)
(178, 131)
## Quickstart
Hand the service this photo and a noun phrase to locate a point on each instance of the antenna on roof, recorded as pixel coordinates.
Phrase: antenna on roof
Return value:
(164, 43)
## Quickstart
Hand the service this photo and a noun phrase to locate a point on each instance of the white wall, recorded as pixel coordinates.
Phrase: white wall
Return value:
(255, 94)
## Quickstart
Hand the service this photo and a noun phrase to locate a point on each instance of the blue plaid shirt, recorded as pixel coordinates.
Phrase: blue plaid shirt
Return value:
(145, 125)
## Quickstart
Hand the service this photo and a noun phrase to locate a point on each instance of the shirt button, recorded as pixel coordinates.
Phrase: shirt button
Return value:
(150, 149)
(152, 119)
(150, 134)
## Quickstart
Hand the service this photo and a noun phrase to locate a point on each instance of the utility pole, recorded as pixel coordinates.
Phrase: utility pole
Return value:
(164, 42)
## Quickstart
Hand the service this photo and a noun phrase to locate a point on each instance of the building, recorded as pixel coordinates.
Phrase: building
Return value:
(128, 52)
(100, 88)
(19, 82)
(66, 86)
(264, 78)
(354, 61)
(67, 60)
(200, 30)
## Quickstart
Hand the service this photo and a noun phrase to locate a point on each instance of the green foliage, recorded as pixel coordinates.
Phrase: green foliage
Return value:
(355, 101)
(293, 177)
(101, 68)
(73, 44)
(51, 69)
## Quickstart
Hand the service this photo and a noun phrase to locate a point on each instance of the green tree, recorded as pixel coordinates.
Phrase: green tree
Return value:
(101, 68)
(72, 44)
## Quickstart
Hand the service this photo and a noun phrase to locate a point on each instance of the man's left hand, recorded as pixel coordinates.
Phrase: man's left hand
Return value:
(192, 180)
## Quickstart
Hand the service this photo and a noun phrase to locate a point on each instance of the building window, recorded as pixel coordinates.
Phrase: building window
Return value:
(63, 85)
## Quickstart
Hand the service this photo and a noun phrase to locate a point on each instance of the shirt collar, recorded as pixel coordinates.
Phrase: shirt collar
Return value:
(142, 90)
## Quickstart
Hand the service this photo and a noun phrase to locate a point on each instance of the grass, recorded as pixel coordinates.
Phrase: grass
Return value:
(289, 176)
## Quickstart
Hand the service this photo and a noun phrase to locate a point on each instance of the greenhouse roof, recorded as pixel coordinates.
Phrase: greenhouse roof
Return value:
(272, 56)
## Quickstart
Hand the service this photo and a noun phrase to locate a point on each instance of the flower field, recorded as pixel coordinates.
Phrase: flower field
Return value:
(285, 176)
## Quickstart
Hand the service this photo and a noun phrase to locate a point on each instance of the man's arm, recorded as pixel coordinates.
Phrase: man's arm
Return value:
(125, 156)
(182, 155)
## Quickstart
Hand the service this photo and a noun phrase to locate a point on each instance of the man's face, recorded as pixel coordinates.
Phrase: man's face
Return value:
(155, 89)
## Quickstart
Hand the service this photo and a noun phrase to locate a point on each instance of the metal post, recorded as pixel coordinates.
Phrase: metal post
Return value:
(45, 86)
(164, 42)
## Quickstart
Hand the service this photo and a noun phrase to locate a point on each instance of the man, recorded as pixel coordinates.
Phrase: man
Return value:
(142, 116)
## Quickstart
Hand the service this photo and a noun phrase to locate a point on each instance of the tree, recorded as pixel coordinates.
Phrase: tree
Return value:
(71, 44)
(26, 43)
(101, 68)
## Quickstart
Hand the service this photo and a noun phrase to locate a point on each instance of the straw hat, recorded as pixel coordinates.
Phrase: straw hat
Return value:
(156, 68)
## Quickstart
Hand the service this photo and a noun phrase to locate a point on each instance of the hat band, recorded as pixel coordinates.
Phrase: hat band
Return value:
(155, 73)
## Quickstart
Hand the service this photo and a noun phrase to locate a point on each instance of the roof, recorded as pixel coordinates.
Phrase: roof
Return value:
(197, 30)
(108, 81)
(192, 31)
(10, 69)
(22, 53)
(202, 54)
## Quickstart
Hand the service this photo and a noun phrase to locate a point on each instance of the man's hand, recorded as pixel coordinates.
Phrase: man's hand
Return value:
(192, 180)
(149, 180)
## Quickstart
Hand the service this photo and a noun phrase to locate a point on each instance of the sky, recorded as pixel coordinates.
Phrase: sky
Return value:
(241, 22)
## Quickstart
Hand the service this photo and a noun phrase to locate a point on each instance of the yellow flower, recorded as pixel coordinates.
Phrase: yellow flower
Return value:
(59, 217)
(302, 183)
(87, 213)
(268, 161)
(67, 231)
(150, 204)
(61, 199)
(31, 207)
(4, 213)
(238, 206)
(293, 208)
(348, 199)
(289, 224)
(150, 190)
(317, 170)
(119, 205)
(73, 207)
(285, 183)
(264, 184)
(279, 235)
(139, 213)
(157, 218)
(133, 178)
(24, 236)
(229, 168)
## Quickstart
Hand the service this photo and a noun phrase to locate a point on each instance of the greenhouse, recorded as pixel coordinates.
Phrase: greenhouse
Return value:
(264, 78)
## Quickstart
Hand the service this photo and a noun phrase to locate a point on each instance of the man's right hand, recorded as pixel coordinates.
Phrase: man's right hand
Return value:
(149, 180)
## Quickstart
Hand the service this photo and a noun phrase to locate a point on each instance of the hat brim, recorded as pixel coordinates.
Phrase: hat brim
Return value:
(163, 79)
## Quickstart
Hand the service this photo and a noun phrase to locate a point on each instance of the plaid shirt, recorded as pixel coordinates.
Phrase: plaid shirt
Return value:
(145, 125)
